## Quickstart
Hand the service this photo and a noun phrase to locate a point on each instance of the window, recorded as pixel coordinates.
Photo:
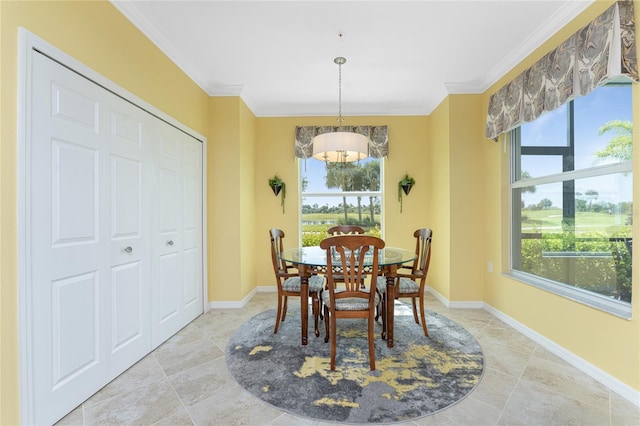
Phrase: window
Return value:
(572, 200)
(339, 193)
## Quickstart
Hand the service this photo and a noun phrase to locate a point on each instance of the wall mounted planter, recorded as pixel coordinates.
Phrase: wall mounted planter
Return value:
(405, 186)
(278, 186)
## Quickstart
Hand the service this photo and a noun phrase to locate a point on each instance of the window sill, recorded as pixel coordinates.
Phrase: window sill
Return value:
(610, 306)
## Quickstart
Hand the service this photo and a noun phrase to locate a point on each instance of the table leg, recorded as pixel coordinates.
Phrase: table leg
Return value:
(390, 294)
(304, 302)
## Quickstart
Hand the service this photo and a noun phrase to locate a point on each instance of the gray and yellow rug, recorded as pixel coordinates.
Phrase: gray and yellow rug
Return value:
(417, 377)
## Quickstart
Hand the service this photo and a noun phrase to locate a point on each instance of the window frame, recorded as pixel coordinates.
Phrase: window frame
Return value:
(601, 302)
(336, 194)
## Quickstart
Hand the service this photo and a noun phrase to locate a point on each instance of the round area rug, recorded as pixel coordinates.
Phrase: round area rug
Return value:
(417, 377)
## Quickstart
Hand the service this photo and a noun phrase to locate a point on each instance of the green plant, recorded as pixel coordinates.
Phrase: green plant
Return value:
(406, 182)
(278, 187)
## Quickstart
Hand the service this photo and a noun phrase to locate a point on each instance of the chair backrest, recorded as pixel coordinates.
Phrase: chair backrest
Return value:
(423, 251)
(279, 265)
(345, 230)
(346, 253)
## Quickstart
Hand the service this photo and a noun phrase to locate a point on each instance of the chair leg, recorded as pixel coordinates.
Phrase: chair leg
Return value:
(316, 313)
(384, 318)
(372, 346)
(275, 329)
(284, 307)
(424, 321)
(333, 342)
(326, 323)
(415, 312)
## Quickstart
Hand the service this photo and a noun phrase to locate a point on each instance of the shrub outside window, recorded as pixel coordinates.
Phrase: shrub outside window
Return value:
(338, 194)
(571, 196)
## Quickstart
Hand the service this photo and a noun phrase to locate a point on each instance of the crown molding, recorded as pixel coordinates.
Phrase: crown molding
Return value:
(131, 11)
(568, 12)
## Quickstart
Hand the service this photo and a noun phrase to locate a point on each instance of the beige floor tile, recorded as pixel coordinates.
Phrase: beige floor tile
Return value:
(495, 388)
(532, 404)
(469, 411)
(503, 359)
(623, 412)
(499, 334)
(202, 382)
(144, 372)
(180, 419)
(233, 407)
(145, 405)
(559, 376)
(473, 320)
(180, 353)
(216, 321)
(287, 419)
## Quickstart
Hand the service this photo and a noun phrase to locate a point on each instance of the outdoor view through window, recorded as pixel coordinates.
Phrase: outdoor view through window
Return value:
(338, 194)
(572, 198)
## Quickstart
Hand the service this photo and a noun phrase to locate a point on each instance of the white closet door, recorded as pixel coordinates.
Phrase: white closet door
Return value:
(70, 262)
(192, 227)
(128, 233)
(91, 181)
(177, 230)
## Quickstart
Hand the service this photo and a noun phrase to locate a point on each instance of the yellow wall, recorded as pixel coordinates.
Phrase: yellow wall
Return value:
(606, 341)
(466, 198)
(408, 149)
(248, 206)
(96, 34)
(439, 166)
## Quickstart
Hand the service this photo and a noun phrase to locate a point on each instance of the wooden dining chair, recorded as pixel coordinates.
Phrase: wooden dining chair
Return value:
(347, 252)
(411, 284)
(345, 230)
(288, 282)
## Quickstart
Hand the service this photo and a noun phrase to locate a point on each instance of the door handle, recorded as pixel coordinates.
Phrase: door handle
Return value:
(170, 242)
(128, 249)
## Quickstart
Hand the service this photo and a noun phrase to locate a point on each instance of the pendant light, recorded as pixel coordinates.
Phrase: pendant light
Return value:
(340, 146)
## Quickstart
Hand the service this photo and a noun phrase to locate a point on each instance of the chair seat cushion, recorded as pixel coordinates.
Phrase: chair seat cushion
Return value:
(381, 285)
(316, 283)
(349, 303)
(407, 285)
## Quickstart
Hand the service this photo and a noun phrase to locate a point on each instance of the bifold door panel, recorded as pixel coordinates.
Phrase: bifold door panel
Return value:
(114, 236)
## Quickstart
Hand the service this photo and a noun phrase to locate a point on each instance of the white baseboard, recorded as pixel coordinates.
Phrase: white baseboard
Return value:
(627, 392)
(455, 305)
(267, 289)
(233, 305)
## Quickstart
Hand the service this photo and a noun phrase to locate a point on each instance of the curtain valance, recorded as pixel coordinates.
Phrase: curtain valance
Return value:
(597, 53)
(378, 138)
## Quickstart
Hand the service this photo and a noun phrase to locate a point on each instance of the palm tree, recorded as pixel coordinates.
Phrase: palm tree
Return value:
(355, 177)
(619, 148)
(372, 183)
(340, 175)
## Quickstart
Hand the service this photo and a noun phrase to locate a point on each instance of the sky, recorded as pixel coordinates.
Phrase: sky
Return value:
(591, 112)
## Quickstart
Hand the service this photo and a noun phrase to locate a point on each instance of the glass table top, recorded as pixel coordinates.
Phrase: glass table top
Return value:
(315, 256)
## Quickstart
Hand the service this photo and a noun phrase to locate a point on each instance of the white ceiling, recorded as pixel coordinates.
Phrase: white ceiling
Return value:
(403, 57)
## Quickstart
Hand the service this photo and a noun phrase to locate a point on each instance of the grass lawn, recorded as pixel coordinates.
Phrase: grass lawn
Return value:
(550, 220)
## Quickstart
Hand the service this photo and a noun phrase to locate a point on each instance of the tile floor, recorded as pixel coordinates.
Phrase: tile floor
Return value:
(185, 382)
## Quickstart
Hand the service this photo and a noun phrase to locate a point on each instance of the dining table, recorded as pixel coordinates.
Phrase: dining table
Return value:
(313, 260)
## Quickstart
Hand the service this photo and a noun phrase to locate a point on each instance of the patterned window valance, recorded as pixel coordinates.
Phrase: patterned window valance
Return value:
(599, 52)
(378, 138)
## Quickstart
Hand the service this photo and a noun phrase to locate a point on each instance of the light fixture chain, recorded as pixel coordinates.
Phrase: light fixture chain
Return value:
(340, 61)
(340, 94)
